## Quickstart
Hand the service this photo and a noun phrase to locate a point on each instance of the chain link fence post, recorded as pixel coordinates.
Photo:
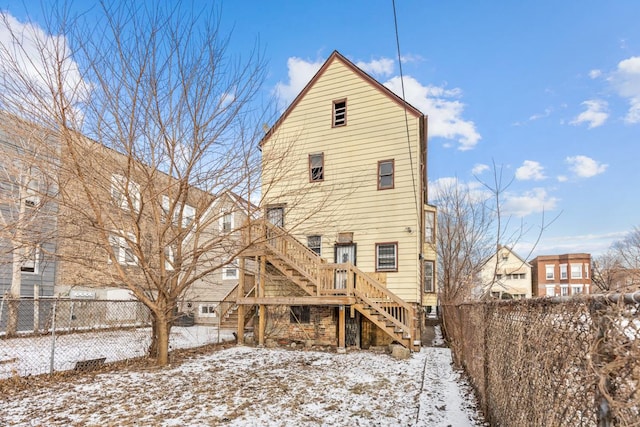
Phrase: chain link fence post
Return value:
(53, 337)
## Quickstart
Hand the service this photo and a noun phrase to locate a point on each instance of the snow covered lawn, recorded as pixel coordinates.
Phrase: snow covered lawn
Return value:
(246, 386)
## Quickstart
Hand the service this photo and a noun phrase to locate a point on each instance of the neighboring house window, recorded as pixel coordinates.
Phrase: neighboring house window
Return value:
(226, 222)
(32, 199)
(498, 276)
(564, 290)
(207, 310)
(576, 271)
(550, 290)
(586, 271)
(385, 174)
(576, 289)
(549, 269)
(125, 191)
(121, 249)
(339, 113)
(300, 314)
(230, 271)
(429, 227)
(31, 262)
(563, 271)
(428, 276)
(316, 167)
(386, 257)
(188, 212)
(168, 258)
(315, 244)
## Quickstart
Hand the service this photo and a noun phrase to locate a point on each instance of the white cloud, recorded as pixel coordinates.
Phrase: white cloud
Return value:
(300, 73)
(406, 59)
(585, 167)
(562, 178)
(594, 74)
(479, 168)
(443, 186)
(530, 170)
(534, 201)
(30, 66)
(547, 112)
(379, 67)
(445, 112)
(595, 114)
(626, 81)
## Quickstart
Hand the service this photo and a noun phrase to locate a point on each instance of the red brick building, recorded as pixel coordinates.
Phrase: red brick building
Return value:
(561, 275)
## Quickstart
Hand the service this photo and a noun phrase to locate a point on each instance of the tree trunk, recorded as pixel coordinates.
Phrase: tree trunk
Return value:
(14, 293)
(161, 321)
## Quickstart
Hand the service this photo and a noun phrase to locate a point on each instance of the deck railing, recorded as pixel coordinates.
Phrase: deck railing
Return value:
(333, 279)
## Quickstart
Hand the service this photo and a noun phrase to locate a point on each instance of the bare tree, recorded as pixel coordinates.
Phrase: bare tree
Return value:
(618, 269)
(472, 226)
(152, 117)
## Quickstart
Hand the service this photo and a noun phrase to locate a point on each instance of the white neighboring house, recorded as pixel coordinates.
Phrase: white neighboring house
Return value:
(504, 275)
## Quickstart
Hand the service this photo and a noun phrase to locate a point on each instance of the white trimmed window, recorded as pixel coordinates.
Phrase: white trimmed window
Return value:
(429, 226)
(550, 290)
(576, 271)
(386, 257)
(230, 271)
(125, 193)
(563, 271)
(564, 290)
(226, 222)
(168, 258)
(576, 289)
(188, 212)
(121, 249)
(549, 270)
(316, 167)
(207, 310)
(31, 262)
(586, 270)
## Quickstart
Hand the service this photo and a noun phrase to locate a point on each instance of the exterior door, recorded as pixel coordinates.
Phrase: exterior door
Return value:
(344, 254)
(275, 216)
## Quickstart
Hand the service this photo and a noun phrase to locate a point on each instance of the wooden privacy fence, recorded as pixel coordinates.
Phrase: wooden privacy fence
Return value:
(551, 361)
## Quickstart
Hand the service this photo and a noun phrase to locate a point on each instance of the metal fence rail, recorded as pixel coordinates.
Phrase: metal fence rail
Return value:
(558, 361)
(39, 336)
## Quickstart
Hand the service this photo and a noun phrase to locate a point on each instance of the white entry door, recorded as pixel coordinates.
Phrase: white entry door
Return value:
(344, 254)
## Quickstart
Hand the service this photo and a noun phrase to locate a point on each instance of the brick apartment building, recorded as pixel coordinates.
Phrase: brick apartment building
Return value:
(561, 275)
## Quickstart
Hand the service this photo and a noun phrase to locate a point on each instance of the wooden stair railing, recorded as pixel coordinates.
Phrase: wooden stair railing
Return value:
(228, 304)
(317, 277)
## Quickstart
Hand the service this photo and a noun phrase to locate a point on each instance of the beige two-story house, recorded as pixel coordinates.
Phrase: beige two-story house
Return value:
(349, 253)
(504, 275)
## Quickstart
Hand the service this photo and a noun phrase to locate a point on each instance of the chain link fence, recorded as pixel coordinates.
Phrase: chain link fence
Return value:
(551, 362)
(39, 336)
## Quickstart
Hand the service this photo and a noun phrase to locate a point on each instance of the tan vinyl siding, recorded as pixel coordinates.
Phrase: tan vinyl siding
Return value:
(348, 200)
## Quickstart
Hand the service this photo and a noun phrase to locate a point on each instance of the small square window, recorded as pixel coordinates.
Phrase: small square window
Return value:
(339, 113)
(386, 257)
(316, 167)
(230, 271)
(385, 174)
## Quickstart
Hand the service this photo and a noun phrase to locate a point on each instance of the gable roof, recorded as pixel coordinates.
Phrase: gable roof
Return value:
(337, 56)
(523, 261)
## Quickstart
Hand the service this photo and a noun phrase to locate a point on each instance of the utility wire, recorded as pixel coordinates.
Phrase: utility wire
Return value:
(406, 115)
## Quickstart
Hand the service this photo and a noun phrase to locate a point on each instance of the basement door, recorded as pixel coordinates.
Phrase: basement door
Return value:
(352, 329)
(343, 254)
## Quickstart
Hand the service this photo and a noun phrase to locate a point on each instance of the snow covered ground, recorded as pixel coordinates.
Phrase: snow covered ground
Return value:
(246, 386)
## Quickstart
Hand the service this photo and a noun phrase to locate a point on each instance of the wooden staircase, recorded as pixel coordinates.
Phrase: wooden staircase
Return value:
(228, 309)
(316, 277)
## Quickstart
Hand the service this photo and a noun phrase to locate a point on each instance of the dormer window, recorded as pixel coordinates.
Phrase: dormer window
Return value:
(339, 113)
(316, 167)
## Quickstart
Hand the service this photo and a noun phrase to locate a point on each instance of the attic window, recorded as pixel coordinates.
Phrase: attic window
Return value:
(339, 113)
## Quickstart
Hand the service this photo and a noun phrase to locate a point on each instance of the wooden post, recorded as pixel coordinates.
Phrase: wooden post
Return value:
(240, 324)
(341, 327)
(262, 308)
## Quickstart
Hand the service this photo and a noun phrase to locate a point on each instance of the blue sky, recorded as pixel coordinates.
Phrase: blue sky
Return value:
(549, 91)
